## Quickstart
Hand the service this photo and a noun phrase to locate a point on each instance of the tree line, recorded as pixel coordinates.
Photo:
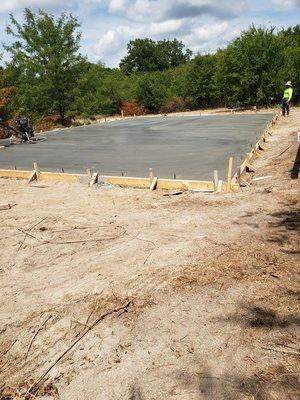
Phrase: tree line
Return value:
(47, 74)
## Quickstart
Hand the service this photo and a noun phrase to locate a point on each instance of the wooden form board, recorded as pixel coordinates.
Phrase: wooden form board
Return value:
(123, 181)
(43, 176)
(253, 153)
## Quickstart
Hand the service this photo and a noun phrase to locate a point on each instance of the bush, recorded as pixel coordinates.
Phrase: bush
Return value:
(131, 108)
(176, 104)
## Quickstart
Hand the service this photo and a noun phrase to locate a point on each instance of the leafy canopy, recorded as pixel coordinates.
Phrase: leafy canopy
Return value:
(147, 55)
(45, 60)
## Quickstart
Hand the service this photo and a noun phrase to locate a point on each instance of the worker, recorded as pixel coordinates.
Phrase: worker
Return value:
(25, 127)
(287, 95)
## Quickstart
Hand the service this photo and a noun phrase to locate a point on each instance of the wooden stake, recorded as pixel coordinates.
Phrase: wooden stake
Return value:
(238, 175)
(36, 167)
(35, 173)
(229, 173)
(151, 175)
(154, 183)
(261, 146)
(257, 153)
(216, 180)
(219, 188)
(249, 167)
(94, 179)
(33, 177)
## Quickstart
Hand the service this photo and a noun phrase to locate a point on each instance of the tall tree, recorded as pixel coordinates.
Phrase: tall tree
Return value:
(146, 55)
(199, 81)
(248, 70)
(291, 55)
(44, 61)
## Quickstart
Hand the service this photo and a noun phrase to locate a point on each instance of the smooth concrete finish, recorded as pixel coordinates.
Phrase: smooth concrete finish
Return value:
(191, 147)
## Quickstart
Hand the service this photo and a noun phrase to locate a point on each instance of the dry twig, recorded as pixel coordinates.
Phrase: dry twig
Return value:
(83, 333)
(6, 351)
(297, 353)
(35, 335)
(30, 229)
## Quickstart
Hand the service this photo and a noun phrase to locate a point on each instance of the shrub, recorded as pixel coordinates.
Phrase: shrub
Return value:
(131, 108)
(176, 104)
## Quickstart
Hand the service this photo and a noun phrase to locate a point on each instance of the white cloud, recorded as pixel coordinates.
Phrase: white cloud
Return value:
(117, 5)
(7, 6)
(160, 28)
(286, 3)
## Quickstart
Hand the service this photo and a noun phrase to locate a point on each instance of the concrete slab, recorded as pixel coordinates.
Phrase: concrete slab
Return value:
(191, 147)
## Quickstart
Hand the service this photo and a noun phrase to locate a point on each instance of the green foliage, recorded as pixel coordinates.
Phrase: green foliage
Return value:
(45, 63)
(146, 55)
(50, 76)
(248, 68)
(291, 58)
(199, 80)
(154, 90)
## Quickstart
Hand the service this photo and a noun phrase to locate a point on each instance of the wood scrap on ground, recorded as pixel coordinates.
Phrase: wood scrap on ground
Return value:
(169, 194)
(5, 206)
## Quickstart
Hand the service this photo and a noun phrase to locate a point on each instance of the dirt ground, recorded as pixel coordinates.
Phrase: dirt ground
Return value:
(123, 294)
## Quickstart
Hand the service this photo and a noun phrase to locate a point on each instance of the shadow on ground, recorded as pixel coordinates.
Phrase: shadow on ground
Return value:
(250, 316)
(263, 385)
(296, 166)
(283, 229)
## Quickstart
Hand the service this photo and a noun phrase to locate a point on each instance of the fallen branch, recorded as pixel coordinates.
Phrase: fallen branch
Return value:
(148, 256)
(172, 194)
(81, 336)
(30, 229)
(35, 335)
(5, 206)
(6, 351)
(297, 353)
(46, 241)
(280, 154)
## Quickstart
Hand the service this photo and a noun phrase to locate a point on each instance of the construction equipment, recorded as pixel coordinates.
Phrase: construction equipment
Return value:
(23, 132)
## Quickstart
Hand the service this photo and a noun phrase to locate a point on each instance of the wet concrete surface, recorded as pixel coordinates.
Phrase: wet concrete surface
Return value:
(190, 147)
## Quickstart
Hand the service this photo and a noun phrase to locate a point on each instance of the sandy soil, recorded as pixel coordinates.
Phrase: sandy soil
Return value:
(129, 294)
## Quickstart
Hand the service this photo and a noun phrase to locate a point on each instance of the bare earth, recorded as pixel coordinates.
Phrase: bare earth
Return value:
(129, 294)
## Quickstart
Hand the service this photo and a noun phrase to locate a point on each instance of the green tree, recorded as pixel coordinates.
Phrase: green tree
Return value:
(153, 90)
(248, 70)
(146, 55)
(45, 63)
(199, 80)
(291, 54)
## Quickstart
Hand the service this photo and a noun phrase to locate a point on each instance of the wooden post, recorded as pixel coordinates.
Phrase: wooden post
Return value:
(238, 176)
(36, 167)
(229, 173)
(154, 183)
(35, 173)
(122, 113)
(151, 175)
(216, 180)
(94, 179)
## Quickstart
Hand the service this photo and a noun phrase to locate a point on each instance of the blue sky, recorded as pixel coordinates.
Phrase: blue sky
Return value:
(202, 25)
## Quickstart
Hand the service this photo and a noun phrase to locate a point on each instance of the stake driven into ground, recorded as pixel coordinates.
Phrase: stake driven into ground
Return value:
(129, 294)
